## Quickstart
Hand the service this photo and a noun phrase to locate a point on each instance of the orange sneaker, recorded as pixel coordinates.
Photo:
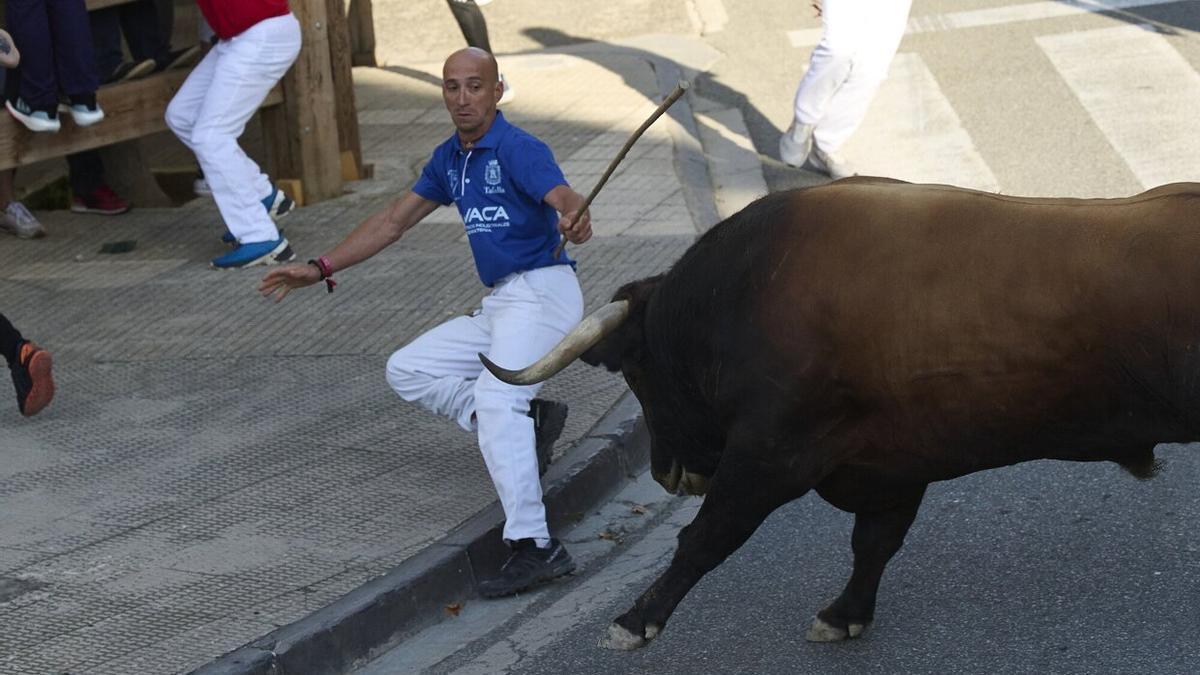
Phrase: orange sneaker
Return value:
(32, 377)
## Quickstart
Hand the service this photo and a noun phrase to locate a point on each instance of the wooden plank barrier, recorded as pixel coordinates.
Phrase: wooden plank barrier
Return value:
(131, 110)
(309, 120)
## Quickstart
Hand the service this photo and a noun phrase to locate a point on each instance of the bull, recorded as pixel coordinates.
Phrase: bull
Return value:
(868, 337)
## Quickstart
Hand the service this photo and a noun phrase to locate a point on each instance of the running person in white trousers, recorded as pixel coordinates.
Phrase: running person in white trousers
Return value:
(258, 41)
(510, 192)
(847, 67)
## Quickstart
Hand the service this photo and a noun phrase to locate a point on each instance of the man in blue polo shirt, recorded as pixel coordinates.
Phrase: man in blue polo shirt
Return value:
(510, 193)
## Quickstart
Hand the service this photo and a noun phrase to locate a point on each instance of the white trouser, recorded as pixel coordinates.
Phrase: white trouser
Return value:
(524, 316)
(848, 65)
(212, 107)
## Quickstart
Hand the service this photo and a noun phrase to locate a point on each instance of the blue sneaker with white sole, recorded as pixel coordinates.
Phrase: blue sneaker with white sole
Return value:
(278, 204)
(258, 253)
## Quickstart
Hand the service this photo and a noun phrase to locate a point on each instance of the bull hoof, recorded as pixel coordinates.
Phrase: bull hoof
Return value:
(822, 631)
(621, 639)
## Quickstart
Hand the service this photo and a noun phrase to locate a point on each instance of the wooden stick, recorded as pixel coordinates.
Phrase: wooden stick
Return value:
(667, 103)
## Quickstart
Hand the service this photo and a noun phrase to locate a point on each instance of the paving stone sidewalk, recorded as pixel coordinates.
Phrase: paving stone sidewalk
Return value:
(216, 466)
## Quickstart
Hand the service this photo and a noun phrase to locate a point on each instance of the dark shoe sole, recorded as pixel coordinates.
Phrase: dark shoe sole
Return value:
(286, 255)
(42, 390)
(138, 71)
(561, 568)
(185, 58)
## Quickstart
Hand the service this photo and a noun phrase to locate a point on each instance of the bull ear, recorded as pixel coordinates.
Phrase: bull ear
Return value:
(626, 342)
(606, 353)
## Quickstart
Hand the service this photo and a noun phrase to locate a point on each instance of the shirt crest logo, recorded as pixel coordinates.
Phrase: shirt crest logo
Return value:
(491, 172)
(452, 176)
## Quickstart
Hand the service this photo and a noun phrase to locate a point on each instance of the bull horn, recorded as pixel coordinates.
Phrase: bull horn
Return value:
(591, 330)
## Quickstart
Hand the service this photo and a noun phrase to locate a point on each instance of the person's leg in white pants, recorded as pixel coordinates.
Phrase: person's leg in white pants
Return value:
(210, 112)
(880, 27)
(521, 320)
(846, 69)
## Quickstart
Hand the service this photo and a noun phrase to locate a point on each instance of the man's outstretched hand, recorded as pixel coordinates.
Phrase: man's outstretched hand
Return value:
(281, 280)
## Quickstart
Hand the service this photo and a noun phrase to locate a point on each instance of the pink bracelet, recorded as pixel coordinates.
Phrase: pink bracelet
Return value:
(325, 269)
(326, 266)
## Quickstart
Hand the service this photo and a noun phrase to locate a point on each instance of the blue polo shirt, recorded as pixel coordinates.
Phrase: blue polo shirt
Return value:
(499, 186)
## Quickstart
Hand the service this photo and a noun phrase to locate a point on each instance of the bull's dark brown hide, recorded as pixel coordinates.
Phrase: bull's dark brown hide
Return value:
(867, 337)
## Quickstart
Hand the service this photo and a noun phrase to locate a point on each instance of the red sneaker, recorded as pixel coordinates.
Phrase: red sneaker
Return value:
(102, 201)
(32, 377)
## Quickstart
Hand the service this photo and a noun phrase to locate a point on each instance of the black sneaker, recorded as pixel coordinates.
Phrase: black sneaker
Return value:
(528, 565)
(179, 58)
(549, 418)
(129, 70)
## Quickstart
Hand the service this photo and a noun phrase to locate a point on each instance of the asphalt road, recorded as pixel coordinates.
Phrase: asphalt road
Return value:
(1046, 567)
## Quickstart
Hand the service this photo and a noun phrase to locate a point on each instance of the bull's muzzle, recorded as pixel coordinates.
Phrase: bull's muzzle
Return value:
(680, 481)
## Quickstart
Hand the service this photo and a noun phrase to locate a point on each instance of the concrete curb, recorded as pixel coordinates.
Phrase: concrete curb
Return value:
(380, 613)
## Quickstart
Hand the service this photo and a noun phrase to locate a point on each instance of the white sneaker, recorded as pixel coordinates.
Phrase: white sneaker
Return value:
(84, 115)
(34, 120)
(509, 93)
(19, 221)
(830, 164)
(796, 144)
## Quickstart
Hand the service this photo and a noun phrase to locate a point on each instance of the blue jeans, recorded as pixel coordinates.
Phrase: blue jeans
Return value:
(55, 39)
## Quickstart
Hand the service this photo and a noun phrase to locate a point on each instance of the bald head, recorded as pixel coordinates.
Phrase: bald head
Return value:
(472, 58)
(471, 89)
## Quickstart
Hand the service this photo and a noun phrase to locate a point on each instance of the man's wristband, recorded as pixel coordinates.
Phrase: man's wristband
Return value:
(325, 269)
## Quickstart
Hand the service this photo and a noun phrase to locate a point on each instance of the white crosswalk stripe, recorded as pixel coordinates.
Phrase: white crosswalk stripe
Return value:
(993, 16)
(1140, 92)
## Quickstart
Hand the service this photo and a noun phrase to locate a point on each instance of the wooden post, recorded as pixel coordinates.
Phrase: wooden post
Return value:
(343, 86)
(362, 33)
(127, 172)
(311, 106)
(277, 142)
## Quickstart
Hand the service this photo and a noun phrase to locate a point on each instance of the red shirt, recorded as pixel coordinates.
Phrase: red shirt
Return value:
(230, 18)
